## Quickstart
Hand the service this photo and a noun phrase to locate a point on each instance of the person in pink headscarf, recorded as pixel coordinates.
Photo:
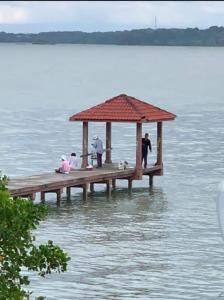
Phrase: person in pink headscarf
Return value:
(64, 167)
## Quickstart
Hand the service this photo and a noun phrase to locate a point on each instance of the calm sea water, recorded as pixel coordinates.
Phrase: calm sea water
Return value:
(162, 243)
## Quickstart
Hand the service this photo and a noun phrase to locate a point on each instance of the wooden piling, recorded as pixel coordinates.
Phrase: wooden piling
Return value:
(150, 180)
(42, 196)
(58, 193)
(109, 183)
(85, 191)
(68, 192)
(114, 183)
(91, 187)
(130, 185)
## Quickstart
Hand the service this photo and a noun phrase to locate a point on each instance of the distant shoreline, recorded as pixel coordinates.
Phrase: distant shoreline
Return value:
(213, 36)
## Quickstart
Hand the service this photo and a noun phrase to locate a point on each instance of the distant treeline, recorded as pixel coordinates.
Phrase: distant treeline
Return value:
(213, 36)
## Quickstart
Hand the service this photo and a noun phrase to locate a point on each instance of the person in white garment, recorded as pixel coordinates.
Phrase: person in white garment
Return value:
(73, 161)
(98, 145)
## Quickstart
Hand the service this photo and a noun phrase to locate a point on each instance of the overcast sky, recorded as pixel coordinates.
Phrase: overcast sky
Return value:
(36, 16)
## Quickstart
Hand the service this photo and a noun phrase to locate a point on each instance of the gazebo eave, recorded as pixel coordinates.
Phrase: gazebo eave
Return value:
(123, 121)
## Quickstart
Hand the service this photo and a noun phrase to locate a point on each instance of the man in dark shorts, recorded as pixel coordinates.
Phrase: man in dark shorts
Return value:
(146, 143)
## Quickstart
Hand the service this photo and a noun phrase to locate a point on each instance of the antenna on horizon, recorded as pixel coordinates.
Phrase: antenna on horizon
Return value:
(155, 22)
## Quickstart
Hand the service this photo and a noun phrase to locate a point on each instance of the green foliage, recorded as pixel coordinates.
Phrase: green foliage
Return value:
(17, 249)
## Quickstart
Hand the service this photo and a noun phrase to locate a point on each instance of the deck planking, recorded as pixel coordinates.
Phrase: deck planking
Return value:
(25, 185)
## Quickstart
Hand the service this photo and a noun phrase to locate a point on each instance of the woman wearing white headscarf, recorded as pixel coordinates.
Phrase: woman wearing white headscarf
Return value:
(98, 145)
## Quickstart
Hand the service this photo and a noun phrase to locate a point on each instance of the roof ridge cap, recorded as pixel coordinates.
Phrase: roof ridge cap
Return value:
(133, 106)
(152, 105)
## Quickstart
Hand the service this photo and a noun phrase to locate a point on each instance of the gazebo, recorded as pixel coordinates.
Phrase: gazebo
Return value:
(124, 108)
(121, 108)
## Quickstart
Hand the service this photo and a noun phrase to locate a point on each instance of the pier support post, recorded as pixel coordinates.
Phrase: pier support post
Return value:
(138, 151)
(159, 146)
(91, 187)
(85, 191)
(33, 196)
(68, 192)
(150, 180)
(109, 182)
(42, 196)
(114, 183)
(85, 145)
(58, 193)
(129, 185)
(108, 143)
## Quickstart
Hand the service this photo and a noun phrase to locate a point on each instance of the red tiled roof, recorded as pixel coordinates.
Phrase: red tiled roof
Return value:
(124, 108)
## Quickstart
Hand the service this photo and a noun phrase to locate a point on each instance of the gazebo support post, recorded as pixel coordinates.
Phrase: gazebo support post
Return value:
(138, 173)
(85, 145)
(159, 146)
(108, 143)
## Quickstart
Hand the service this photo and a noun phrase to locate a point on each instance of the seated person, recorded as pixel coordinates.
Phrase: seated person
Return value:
(73, 162)
(64, 167)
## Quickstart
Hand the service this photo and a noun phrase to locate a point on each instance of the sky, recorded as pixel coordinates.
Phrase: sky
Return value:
(89, 16)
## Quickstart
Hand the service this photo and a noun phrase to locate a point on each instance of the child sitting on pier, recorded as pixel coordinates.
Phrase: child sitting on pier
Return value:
(64, 167)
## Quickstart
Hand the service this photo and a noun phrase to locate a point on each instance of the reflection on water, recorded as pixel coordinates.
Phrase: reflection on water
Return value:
(110, 238)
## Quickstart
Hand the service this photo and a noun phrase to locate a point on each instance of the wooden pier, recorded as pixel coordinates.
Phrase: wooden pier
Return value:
(55, 183)
(121, 108)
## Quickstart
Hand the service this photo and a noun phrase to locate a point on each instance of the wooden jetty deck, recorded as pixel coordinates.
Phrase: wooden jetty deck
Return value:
(28, 186)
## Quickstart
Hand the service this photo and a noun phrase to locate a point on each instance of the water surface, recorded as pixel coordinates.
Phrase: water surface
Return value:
(159, 243)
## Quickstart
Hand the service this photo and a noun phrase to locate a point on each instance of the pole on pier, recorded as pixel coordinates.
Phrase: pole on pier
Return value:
(85, 145)
(108, 143)
(150, 180)
(138, 167)
(159, 146)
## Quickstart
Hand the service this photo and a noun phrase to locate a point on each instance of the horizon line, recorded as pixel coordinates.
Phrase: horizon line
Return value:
(154, 29)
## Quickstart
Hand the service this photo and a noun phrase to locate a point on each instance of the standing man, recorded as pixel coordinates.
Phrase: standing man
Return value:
(146, 143)
(98, 145)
